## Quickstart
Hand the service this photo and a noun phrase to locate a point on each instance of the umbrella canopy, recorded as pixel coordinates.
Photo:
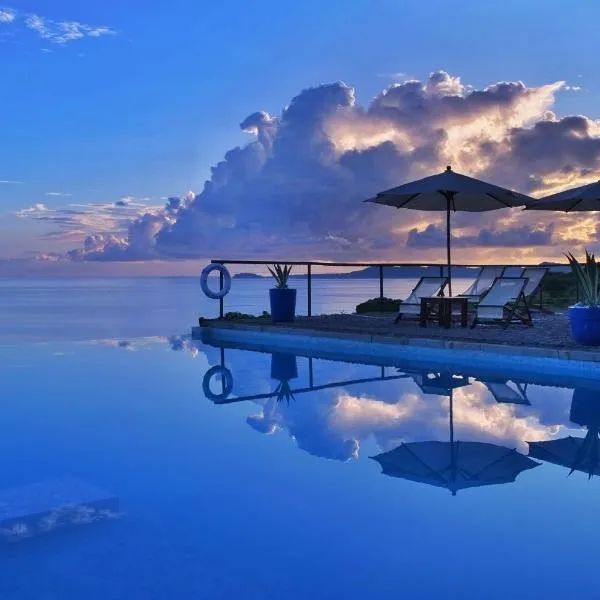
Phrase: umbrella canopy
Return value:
(450, 192)
(576, 454)
(584, 198)
(454, 465)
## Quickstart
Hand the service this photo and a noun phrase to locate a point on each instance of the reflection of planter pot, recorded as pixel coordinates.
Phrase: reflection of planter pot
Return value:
(283, 304)
(585, 324)
(585, 407)
(283, 367)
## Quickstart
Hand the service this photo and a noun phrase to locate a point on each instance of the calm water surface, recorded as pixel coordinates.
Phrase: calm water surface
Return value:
(243, 474)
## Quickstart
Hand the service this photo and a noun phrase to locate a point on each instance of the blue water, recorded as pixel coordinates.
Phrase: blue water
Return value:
(234, 498)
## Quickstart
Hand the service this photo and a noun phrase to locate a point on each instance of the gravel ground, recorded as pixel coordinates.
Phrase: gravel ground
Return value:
(549, 330)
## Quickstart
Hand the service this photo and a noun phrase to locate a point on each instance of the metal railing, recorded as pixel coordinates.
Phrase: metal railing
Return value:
(380, 266)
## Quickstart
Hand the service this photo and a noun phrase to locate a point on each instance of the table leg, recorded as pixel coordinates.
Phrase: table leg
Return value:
(423, 314)
(442, 314)
(464, 313)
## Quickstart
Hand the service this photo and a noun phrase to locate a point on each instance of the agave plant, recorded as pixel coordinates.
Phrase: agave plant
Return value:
(281, 274)
(588, 278)
(284, 392)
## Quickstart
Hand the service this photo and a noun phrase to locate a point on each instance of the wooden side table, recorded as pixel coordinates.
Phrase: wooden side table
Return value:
(444, 307)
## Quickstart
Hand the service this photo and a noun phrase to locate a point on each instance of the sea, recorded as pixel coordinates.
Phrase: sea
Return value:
(137, 463)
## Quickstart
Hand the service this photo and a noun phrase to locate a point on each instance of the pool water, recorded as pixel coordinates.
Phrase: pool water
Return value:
(243, 474)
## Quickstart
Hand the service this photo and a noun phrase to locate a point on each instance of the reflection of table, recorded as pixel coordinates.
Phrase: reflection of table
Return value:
(444, 306)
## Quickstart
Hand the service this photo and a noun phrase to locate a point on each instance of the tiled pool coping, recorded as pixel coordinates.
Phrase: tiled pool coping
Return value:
(356, 345)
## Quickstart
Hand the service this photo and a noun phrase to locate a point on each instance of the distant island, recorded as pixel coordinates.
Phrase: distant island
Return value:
(248, 276)
(408, 272)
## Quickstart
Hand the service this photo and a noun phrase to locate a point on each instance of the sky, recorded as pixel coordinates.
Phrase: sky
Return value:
(145, 138)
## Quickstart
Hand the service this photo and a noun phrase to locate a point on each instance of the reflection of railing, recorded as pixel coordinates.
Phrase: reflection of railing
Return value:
(223, 398)
(441, 271)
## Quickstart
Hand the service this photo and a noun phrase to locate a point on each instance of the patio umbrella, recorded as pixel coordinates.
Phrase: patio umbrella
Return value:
(454, 465)
(450, 192)
(577, 454)
(583, 198)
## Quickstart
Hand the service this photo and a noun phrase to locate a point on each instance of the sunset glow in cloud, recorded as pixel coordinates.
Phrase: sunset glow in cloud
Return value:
(297, 189)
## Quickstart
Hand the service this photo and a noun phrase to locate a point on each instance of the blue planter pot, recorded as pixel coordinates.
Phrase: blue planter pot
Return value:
(585, 324)
(283, 304)
(284, 367)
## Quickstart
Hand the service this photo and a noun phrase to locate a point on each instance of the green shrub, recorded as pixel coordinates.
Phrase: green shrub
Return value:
(236, 316)
(378, 305)
(559, 289)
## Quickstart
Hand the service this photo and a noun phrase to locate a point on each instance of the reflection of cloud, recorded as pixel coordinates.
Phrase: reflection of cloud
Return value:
(333, 423)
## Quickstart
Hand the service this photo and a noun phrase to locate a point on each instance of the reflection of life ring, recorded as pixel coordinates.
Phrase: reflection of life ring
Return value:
(226, 378)
(226, 281)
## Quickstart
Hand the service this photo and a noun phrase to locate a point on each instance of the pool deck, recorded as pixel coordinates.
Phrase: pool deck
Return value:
(550, 337)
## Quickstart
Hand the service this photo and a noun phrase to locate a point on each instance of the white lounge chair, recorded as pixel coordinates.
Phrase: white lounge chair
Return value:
(535, 276)
(425, 288)
(504, 303)
(483, 282)
(512, 272)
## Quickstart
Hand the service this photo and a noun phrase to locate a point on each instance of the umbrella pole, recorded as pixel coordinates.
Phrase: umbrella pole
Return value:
(448, 245)
(452, 450)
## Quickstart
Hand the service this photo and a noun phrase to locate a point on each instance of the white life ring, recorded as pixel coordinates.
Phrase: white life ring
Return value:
(227, 379)
(226, 281)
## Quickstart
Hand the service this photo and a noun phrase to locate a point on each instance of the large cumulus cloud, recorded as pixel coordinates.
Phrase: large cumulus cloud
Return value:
(296, 189)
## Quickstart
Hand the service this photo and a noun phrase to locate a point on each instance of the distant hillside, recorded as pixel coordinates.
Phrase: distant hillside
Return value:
(408, 272)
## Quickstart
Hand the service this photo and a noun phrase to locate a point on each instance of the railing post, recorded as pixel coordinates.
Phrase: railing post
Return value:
(309, 284)
(222, 366)
(311, 380)
(221, 299)
(381, 281)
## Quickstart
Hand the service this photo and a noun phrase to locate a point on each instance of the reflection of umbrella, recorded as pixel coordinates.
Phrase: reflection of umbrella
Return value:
(584, 198)
(577, 454)
(450, 192)
(454, 465)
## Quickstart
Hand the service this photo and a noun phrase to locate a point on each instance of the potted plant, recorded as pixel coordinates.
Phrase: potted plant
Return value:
(585, 315)
(284, 367)
(283, 299)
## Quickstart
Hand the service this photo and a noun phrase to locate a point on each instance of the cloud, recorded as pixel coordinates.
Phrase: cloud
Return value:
(78, 222)
(434, 236)
(56, 32)
(57, 194)
(10, 182)
(63, 32)
(297, 188)
(7, 15)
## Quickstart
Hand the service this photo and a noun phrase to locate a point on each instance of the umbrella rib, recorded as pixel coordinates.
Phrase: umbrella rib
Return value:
(409, 199)
(576, 203)
(499, 459)
(419, 460)
(497, 199)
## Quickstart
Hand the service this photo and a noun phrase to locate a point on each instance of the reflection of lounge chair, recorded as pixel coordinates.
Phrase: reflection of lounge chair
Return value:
(438, 384)
(483, 282)
(506, 394)
(504, 303)
(425, 288)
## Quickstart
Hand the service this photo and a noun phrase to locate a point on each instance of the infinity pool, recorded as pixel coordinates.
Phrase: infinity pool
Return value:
(237, 474)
